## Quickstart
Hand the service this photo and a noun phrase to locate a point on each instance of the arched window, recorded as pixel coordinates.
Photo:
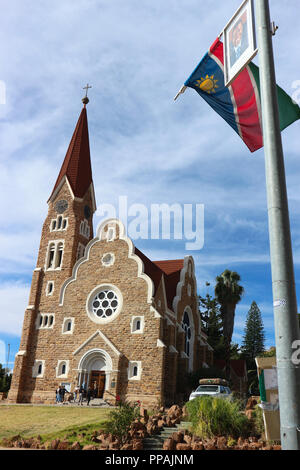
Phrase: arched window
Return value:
(62, 368)
(188, 333)
(49, 289)
(68, 326)
(134, 370)
(60, 249)
(40, 369)
(137, 324)
(59, 222)
(51, 255)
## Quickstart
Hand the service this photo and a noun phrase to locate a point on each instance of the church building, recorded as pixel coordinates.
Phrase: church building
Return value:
(101, 314)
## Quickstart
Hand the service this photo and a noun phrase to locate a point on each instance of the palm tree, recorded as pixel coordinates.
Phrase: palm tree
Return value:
(228, 293)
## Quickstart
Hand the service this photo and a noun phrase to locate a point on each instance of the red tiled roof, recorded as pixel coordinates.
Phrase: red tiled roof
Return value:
(170, 266)
(170, 269)
(153, 271)
(77, 163)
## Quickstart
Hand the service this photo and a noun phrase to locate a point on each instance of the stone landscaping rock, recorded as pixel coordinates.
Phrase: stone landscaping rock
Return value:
(197, 446)
(54, 444)
(222, 443)
(169, 444)
(90, 447)
(177, 437)
(127, 447)
(76, 446)
(63, 445)
(182, 446)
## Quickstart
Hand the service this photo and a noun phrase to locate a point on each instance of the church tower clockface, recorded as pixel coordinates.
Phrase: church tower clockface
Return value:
(61, 206)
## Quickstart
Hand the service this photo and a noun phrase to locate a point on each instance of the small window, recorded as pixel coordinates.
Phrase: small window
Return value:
(134, 370)
(50, 288)
(53, 224)
(41, 321)
(51, 318)
(64, 224)
(68, 326)
(38, 369)
(62, 368)
(137, 324)
(59, 222)
(110, 234)
(45, 320)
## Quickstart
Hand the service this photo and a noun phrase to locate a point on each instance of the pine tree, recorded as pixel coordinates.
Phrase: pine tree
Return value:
(254, 337)
(212, 324)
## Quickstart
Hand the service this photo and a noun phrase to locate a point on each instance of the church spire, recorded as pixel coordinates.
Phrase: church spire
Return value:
(77, 163)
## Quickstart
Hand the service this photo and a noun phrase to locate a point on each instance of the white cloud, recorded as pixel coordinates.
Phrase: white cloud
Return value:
(13, 302)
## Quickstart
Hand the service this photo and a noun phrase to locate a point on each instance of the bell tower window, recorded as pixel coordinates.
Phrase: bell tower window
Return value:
(59, 255)
(55, 255)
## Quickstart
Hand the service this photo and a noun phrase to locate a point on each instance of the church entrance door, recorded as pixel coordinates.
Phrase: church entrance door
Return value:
(97, 383)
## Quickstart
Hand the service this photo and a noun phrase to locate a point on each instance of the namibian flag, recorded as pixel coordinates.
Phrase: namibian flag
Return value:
(239, 104)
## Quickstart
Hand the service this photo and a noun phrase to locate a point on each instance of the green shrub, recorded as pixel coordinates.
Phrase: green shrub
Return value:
(217, 417)
(258, 421)
(120, 419)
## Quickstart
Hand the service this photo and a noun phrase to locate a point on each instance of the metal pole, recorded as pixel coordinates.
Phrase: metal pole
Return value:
(284, 293)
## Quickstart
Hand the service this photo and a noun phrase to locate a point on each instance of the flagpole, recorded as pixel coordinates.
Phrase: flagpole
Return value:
(283, 283)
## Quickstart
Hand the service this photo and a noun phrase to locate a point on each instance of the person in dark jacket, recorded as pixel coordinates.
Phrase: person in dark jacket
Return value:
(89, 395)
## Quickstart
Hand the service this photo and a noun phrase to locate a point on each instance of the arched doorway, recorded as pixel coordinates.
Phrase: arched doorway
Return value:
(94, 370)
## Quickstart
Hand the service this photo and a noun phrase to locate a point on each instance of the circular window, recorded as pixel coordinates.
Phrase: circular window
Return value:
(108, 259)
(104, 304)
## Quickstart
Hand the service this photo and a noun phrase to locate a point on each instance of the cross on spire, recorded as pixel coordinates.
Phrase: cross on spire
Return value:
(85, 100)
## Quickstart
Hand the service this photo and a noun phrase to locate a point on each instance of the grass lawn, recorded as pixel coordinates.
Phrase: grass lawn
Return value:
(49, 421)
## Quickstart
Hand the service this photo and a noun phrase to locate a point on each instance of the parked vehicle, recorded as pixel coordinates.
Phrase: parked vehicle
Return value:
(212, 387)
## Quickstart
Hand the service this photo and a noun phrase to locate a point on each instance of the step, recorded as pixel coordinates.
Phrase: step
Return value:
(156, 442)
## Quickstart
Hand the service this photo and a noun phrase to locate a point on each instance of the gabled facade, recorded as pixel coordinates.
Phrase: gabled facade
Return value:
(100, 313)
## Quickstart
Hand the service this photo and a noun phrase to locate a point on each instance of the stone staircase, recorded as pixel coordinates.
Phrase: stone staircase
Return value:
(156, 442)
(99, 402)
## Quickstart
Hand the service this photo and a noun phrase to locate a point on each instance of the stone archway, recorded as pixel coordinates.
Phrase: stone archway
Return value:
(94, 371)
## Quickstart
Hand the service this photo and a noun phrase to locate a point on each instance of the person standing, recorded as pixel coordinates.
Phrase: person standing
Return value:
(57, 397)
(89, 395)
(80, 400)
(76, 390)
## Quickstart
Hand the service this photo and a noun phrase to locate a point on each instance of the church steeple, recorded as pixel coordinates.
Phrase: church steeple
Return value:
(76, 166)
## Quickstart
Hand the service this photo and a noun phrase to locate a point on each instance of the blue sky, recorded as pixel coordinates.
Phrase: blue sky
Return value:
(136, 55)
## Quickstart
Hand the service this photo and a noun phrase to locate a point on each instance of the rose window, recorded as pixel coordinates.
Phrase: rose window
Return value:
(105, 304)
